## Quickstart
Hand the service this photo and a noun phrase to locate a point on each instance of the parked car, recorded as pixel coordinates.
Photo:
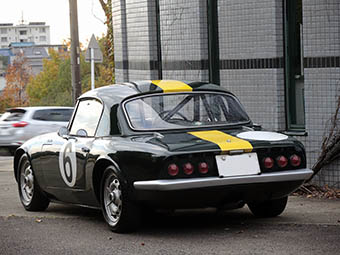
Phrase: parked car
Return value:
(17, 125)
(159, 144)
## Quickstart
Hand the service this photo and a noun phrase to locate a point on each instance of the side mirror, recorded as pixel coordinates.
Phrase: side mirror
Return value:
(63, 131)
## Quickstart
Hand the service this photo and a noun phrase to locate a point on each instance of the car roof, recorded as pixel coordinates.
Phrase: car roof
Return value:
(114, 94)
(32, 108)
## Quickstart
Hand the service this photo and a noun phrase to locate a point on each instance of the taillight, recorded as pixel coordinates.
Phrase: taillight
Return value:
(188, 168)
(203, 167)
(173, 169)
(295, 160)
(282, 161)
(20, 124)
(268, 162)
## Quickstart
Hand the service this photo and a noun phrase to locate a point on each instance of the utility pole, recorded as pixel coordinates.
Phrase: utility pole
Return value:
(75, 51)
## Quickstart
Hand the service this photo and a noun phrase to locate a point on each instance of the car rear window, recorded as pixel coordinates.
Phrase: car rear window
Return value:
(184, 110)
(53, 114)
(13, 115)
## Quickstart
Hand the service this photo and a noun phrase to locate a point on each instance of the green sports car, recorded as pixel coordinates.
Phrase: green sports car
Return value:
(137, 146)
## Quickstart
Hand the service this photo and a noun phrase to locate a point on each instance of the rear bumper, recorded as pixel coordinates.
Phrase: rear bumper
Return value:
(182, 184)
(218, 192)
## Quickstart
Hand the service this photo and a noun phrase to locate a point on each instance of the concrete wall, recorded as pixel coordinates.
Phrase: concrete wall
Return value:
(321, 20)
(253, 31)
(135, 40)
(184, 37)
(251, 56)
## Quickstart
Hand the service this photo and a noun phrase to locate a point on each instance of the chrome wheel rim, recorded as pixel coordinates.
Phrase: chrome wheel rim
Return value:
(26, 183)
(113, 199)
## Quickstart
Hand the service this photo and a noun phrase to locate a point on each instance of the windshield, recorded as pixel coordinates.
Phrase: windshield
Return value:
(185, 110)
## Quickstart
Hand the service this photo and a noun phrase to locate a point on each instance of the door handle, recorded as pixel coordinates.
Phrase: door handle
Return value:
(67, 137)
(85, 149)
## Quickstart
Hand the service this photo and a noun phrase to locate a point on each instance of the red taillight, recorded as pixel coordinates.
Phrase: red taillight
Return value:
(268, 162)
(282, 161)
(203, 167)
(173, 169)
(188, 168)
(295, 160)
(20, 124)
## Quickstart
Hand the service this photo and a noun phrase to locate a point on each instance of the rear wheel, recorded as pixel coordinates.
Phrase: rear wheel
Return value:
(119, 212)
(270, 208)
(30, 194)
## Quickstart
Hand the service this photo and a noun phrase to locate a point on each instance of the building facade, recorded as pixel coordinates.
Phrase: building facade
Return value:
(35, 32)
(5, 60)
(280, 57)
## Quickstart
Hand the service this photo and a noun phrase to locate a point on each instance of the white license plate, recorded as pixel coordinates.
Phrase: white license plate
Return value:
(238, 165)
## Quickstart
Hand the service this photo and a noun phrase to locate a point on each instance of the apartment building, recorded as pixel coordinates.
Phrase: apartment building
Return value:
(35, 32)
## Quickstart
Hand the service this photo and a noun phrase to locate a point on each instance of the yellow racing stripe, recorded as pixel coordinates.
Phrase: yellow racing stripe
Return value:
(172, 86)
(224, 141)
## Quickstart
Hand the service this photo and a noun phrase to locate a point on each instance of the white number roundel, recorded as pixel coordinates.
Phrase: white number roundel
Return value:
(68, 163)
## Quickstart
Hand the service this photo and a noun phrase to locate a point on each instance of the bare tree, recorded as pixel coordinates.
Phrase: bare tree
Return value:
(330, 148)
(109, 48)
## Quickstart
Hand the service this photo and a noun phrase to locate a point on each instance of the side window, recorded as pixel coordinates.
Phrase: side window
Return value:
(40, 115)
(87, 117)
(60, 114)
(53, 115)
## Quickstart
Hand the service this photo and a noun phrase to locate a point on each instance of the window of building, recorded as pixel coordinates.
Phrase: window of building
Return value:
(42, 30)
(42, 38)
(23, 32)
(3, 39)
(3, 30)
(294, 73)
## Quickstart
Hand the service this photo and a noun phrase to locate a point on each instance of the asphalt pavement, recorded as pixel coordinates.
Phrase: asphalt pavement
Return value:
(308, 226)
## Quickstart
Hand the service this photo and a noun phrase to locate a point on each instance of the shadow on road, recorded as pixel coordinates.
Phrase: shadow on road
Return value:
(181, 221)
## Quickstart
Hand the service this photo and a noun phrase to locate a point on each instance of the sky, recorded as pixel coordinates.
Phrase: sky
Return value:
(56, 14)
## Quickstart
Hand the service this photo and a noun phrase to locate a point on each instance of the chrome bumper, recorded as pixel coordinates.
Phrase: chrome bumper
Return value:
(181, 184)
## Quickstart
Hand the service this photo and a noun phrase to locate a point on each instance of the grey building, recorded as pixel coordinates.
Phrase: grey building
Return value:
(5, 58)
(280, 57)
(34, 55)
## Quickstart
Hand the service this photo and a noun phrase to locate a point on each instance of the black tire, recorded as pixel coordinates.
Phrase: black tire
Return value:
(119, 212)
(270, 208)
(30, 194)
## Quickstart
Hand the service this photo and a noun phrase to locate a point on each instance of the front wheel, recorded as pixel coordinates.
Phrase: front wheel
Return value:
(30, 194)
(270, 208)
(120, 214)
